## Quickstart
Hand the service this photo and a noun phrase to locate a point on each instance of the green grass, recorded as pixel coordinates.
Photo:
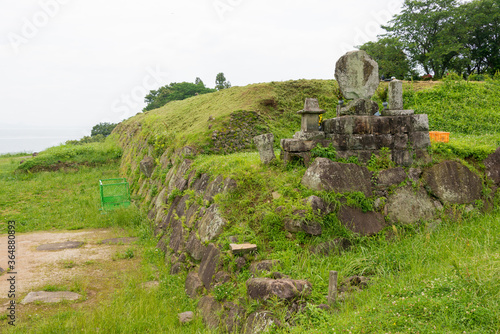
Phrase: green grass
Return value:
(90, 154)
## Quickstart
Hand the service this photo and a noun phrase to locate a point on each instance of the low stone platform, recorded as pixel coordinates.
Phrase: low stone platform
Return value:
(406, 136)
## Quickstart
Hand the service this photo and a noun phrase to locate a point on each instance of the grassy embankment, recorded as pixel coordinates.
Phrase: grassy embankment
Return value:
(68, 199)
(425, 279)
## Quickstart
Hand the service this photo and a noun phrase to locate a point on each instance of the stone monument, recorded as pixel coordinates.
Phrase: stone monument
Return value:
(357, 75)
(356, 132)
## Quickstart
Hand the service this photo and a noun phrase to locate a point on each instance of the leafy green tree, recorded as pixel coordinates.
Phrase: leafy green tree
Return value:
(221, 82)
(174, 91)
(391, 59)
(427, 31)
(103, 129)
(480, 35)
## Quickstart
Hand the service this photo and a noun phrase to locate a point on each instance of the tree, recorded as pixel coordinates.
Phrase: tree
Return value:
(220, 82)
(427, 31)
(174, 91)
(480, 35)
(103, 129)
(391, 59)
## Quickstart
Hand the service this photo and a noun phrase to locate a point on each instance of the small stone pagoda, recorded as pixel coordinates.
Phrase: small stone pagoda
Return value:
(357, 130)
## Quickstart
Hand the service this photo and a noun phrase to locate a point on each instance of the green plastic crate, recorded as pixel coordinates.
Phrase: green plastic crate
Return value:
(115, 193)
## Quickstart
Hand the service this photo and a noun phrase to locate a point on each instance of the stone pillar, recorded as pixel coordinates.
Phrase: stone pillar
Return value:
(332, 287)
(264, 144)
(395, 95)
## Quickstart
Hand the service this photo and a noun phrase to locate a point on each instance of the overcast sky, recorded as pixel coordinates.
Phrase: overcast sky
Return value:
(76, 63)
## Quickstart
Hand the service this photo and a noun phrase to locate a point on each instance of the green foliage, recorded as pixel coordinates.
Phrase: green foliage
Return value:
(448, 35)
(72, 155)
(86, 140)
(221, 82)
(328, 152)
(381, 161)
(225, 291)
(103, 129)
(391, 59)
(462, 107)
(173, 92)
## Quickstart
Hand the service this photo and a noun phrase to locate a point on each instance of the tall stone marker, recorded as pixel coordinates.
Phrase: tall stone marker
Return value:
(357, 75)
(264, 144)
(395, 95)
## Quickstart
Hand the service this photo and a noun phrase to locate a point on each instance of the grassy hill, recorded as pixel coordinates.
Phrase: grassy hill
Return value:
(425, 278)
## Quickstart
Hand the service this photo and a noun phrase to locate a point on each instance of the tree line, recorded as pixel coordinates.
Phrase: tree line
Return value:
(182, 90)
(440, 36)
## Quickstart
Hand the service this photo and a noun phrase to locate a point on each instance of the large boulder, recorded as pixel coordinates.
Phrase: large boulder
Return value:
(212, 224)
(391, 176)
(263, 288)
(452, 182)
(364, 223)
(325, 174)
(193, 285)
(357, 75)
(407, 205)
(209, 264)
(261, 322)
(492, 164)
(210, 309)
(147, 166)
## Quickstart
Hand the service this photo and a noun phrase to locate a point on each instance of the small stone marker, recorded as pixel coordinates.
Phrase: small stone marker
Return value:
(332, 287)
(264, 144)
(185, 317)
(50, 296)
(310, 115)
(242, 248)
(116, 241)
(395, 95)
(59, 246)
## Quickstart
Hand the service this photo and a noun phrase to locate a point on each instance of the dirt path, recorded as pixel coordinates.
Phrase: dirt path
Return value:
(36, 269)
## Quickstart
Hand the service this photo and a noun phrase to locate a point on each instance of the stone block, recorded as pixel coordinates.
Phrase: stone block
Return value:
(365, 155)
(492, 164)
(346, 125)
(340, 141)
(261, 288)
(147, 166)
(382, 125)
(407, 206)
(363, 125)
(386, 140)
(397, 112)
(400, 141)
(420, 139)
(361, 142)
(391, 176)
(242, 248)
(454, 183)
(364, 223)
(331, 125)
(296, 145)
(212, 224)
(402, 157)
(209, 264)
(359, 107)
(400, 124)
(325, 174)
(419, 122)
(193, 285)
(309, 135)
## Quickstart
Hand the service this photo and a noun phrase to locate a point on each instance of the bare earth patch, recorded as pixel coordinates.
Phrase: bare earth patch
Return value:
(36, 269)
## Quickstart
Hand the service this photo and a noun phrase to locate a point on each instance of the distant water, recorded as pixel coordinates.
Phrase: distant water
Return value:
(14, 140)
